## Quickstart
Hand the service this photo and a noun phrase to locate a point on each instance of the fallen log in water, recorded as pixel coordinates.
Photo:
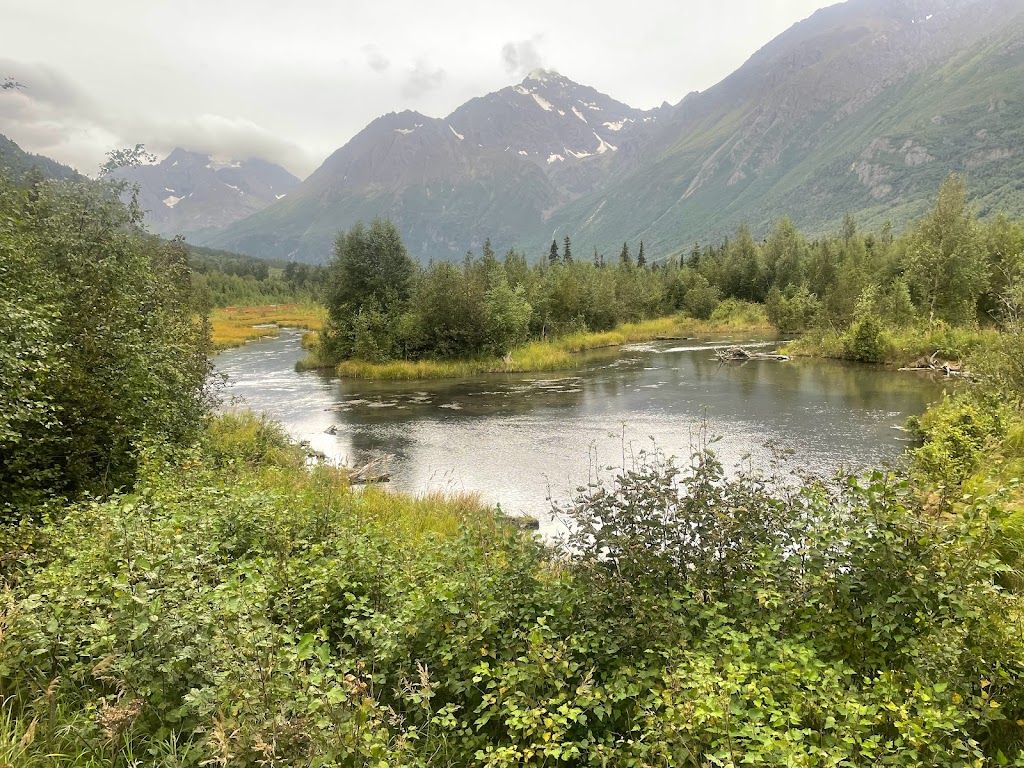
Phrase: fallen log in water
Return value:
(739, 354)
(934, 364)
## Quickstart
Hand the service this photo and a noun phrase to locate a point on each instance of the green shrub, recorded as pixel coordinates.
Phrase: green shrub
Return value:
(867, 341)
(957, 433)
(253, 439)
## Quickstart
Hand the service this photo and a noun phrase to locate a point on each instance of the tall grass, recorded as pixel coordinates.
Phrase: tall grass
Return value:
(902, 346)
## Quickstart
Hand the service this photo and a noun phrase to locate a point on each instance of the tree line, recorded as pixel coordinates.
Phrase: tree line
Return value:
(947, 268)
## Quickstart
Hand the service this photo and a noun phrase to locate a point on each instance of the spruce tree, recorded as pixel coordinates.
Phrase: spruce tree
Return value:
(553, 253)
(625, 259)
(567, 251)
(641, 259)
(694, 256)
(597, 260)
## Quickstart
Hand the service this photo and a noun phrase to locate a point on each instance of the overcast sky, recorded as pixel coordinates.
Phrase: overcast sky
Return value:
(293, 81)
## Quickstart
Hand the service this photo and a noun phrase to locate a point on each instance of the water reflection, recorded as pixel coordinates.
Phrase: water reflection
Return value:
(514, 438)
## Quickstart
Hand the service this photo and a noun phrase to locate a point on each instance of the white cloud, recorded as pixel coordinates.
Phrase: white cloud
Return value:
(522, 57)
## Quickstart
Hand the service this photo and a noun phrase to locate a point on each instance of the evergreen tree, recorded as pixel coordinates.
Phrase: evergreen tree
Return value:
(567, 251)
(553, 253)
(641, 259)
(625, 259)
(597, 259)
(694, 260)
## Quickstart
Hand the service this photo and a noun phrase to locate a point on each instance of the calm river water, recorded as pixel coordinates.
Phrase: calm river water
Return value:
(520, 439)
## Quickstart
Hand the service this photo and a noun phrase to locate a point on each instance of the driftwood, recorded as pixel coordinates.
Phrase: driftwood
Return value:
(739, 354)
(934, 364)
(372, 472)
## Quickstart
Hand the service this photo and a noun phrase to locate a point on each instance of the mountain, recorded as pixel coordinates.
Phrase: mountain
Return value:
(864, 107)
(190, 193)
(19, 162)
(496, 167)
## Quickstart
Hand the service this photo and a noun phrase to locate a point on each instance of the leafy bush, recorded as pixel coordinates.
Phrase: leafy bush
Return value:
(278, 617)
(957, 433)
(252, 439)
(100, 348)
(739, 313)
(792, 314)
(867, 342)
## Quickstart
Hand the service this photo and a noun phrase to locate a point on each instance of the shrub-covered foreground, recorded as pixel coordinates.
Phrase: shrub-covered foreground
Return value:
(239, 609)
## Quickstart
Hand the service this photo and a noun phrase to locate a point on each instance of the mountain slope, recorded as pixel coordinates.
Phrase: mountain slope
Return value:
(189, 192)
(864, 108)
(18, 162)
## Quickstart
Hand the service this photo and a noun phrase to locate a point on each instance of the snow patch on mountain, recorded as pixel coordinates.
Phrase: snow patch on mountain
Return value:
(170, 201)
(544, 104)
(458, 135)
(542, 75)
(219, 165)
(604, 146)
(579, 114)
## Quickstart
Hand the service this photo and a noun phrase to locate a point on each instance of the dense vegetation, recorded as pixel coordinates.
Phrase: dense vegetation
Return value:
(859, 296)
(101, 351)
(195, 594)
(223, 279)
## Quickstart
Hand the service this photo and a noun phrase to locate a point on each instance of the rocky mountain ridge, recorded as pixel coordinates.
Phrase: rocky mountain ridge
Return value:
(192, 193)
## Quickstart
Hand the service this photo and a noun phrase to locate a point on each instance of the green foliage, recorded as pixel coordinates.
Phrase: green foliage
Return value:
(866, 341)
(98, 329)
(371, 271)
(792, 314)
(946, 261)
(508, 316)
(861, 296)
(238, 609)
(252, 439)
(739, 313)
(957, 433)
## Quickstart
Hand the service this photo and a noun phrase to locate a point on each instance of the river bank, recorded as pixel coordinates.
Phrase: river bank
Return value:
(559, 354)
(867, 342)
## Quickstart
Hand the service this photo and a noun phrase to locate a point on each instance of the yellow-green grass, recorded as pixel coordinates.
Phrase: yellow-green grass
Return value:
(257, 448)
(558, 354)
(902, 346)
(234, 326)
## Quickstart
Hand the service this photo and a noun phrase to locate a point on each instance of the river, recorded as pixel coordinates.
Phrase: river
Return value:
(521, 439)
